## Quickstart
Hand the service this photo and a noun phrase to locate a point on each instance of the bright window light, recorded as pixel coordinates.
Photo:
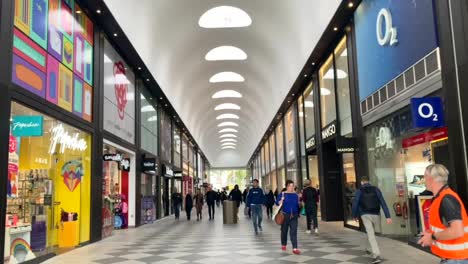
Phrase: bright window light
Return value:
(228, 140)
(344, 53)
(325, 91)
(228, 147)
(226, 77)
(228, 144)
(224, 17)
(226, 94)
(227, 130)
(228, 136)
(227, 106)
(227, 116)
(309, 104)
(225, 124)
(225, 53)
(148, 108)
(153, 118)
(330, 74)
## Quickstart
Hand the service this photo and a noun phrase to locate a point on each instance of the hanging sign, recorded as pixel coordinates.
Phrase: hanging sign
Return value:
(148, 165)
(427, 112)
(310, 143)
(345, 145)
(329, 131)
(436, 134)
(27, 126)
(167, 171)
(125, 164)
(67, 141)
(112, 157)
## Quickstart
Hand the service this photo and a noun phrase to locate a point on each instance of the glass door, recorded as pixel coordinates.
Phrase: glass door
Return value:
(350, 186)
(314, 176)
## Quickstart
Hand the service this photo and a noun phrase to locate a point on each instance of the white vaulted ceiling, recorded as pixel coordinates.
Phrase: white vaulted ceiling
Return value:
(268, 55)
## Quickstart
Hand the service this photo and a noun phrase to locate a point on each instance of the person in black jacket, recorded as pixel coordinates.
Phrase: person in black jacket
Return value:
(188, 204)
(244, 194)
(310, 198)
(236, 195)
(270, 201)
(176, 202)
(210, 201)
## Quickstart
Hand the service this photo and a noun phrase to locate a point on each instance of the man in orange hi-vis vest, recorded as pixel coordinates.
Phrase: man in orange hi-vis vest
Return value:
(448, 233)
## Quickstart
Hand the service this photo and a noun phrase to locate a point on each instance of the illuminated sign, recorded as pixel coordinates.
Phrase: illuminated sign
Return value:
(61, 137)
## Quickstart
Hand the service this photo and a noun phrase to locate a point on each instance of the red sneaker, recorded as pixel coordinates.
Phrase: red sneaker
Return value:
(296, 251)
(283, 248)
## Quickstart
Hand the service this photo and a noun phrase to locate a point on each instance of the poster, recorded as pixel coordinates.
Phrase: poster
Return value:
(65, 88)
(424, 204)
(78, 97)
(52, 79)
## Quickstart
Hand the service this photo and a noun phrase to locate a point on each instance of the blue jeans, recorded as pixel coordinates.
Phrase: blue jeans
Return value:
(455, 261)
(257, 215)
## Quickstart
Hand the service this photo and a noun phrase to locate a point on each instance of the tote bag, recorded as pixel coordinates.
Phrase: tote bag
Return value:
(278, 215)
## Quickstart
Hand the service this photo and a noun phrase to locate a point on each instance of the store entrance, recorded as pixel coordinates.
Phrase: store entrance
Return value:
(166, 196)
(314, 174)
(331, 183)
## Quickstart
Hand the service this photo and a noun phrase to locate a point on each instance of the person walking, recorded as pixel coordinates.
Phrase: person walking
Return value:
(176, 203)
(270, 201)
(188, 204)
(210, 201)
(448, 220)
(310, 199)
(244, 195)
(199, 204)
(218, 198)
(367, 204)
(289, 202)
(236, 195)
(255, 201)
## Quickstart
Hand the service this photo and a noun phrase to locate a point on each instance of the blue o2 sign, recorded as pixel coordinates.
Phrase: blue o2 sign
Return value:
(427, 112)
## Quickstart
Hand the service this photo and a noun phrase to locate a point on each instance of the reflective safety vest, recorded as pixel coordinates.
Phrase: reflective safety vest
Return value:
(448, 249)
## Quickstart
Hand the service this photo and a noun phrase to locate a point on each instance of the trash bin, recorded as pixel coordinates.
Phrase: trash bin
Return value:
(229, 212)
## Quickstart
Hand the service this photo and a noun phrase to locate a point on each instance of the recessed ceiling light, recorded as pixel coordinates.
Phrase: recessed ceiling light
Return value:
(98, 11)
(78, 11)
(350, 4)
(165, 104)
(226, 77)
(228, 140)
(147, 80)
(160, 98)
(224, 17)
(227, 116)
(305, 75)
(226, 53)
(152, 118)
(335, 29)
(139, 68)
(226, 130)
(227, 106)
(228, 136)
(225, 124)
(115, 35)
(226, 94)
(313, 63)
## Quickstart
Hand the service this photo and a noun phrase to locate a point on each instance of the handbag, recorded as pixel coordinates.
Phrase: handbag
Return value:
(279, 216)
(303, 211)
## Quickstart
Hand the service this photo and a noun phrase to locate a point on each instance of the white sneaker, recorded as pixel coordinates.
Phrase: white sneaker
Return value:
(316, 230)
(308, 232)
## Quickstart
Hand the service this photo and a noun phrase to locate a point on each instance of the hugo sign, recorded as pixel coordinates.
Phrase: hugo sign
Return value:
(427, 112)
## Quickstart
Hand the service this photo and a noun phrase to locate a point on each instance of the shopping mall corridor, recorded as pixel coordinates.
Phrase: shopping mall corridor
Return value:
(169, 241)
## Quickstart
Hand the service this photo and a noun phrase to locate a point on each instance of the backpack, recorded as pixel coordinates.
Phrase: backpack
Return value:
(369, 200)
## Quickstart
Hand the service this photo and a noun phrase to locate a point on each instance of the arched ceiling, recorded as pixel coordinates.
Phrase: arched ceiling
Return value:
(173, 46)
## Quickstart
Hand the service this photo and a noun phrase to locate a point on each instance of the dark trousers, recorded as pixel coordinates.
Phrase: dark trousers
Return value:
(269, 210)
(211, 210)
(188, 210)
(177, 211)
(290, 223)
(311, 215)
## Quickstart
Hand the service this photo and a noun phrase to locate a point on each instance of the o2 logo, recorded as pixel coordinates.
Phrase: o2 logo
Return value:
(389, 34)
(121, 88)
(425, 110)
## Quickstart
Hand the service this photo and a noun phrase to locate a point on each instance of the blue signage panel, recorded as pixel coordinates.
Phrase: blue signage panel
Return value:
(427, 112)
(391, 36)
(27, 126)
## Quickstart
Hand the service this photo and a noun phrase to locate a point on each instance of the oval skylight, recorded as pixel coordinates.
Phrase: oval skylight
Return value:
(226, 94)
(228, 147)
(227, 116)
(225, 124)
(227, 106)
(148, 108)
(325, 91)
(227, 130)
(228, 144)
(331, 75)
(228, 140)
(310, 104)
(224, 17)
(226, 77)
(228, 136)
(225, 53)
(152, 118)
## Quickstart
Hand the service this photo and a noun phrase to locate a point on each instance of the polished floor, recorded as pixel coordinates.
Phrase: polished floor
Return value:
(172, 242)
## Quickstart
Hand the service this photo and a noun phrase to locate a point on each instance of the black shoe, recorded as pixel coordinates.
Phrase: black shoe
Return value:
(376, 260)
(260, 228)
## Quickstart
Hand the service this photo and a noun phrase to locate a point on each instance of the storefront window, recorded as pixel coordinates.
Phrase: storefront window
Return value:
(302, 146)
(49, 164)
(148, 198)
(176, 148)
(53, 54)
(350, 187)
(149, 125)
(166, 135)
(327, 92)
(309, 112)
(273, 176)
(344, 98)
(314, 174)
(185, 158)
(280, 155)
(290, 127)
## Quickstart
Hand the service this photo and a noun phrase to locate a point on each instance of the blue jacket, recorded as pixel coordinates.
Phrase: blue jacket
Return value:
(255, 196)
(357, 210)
(290, 203)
